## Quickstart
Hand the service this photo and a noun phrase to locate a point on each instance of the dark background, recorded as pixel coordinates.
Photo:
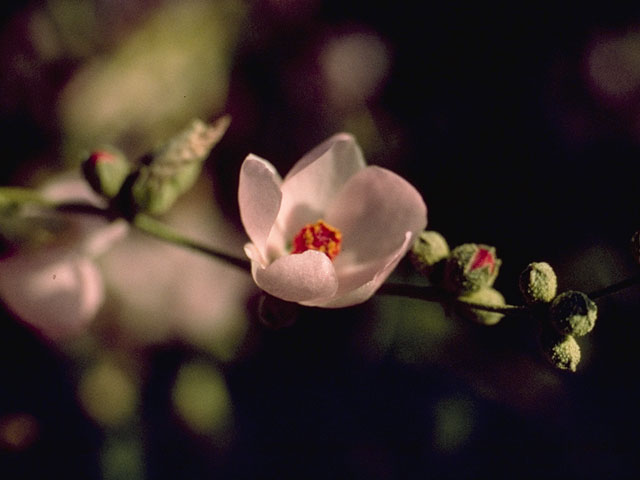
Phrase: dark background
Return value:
(496, 122)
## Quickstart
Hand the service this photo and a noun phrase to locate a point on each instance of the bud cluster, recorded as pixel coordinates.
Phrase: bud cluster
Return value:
(467, 273)
(563, 317)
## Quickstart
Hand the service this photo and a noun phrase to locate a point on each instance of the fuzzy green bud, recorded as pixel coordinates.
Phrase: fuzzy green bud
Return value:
(538, 283)
(635, 246)
(485, 296)
(561, 350)
(429, 249)
(174, 169)
(470, 267)
(106, 170)
(573, 313)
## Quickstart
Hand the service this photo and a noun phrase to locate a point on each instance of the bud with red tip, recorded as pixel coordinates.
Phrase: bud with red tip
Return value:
(106, 170)
(471, 267)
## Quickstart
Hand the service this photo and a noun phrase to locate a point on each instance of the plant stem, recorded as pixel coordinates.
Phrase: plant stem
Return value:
(616, 287)
(151, 226)
(436, 294)
(155, 228)
(21, 195)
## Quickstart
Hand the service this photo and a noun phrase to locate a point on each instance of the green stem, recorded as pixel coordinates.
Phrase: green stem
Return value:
(10, 196)
(436, 294)
(157, 229)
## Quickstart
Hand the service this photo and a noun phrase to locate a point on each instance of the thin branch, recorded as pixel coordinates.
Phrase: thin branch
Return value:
(155, 228)
(21, 195)
(436, 294)
(85, 209)
(143, 222)
(616, 287)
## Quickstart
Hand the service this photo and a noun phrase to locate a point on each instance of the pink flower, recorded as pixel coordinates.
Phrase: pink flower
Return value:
(56, 287)
(163, 291)
(356, 223)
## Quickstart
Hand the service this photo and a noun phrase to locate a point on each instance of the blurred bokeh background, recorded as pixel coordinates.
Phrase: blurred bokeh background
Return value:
(519, 124)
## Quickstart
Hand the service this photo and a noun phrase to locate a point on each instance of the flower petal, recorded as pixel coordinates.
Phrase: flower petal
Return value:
(315, 180)
(296, 278)
(100, 241)
(366, 290)
(373, 211)
(71, 187)
(259, 198)
(56, 291)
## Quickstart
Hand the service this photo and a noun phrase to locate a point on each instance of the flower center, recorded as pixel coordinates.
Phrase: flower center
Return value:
(318, 236)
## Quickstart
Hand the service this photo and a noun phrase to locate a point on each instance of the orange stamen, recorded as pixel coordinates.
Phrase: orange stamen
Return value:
(318, 236)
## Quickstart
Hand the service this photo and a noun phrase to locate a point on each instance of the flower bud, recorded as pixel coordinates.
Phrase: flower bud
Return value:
(538, 283)
(561, 350)
(106, 171)
(174, 169)
(635, 246)
(428, 250)
(485, 296)
(471, 267)
(573, 313)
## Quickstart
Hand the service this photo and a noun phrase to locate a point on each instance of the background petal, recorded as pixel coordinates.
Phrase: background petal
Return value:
(100, 241)
(347, 297)
(259, 198)
(315, 180)
(56, 291)
(299, 277)
(374, 211)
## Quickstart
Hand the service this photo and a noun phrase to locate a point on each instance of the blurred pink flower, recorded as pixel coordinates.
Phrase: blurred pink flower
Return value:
(56, 287)
(364, 218)
(158, 291)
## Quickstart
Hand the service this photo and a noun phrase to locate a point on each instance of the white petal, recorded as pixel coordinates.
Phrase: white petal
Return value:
(253, 254)
(366, 290)
(374, 211)
(259, 198)
(296, 278)
(315, 180)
